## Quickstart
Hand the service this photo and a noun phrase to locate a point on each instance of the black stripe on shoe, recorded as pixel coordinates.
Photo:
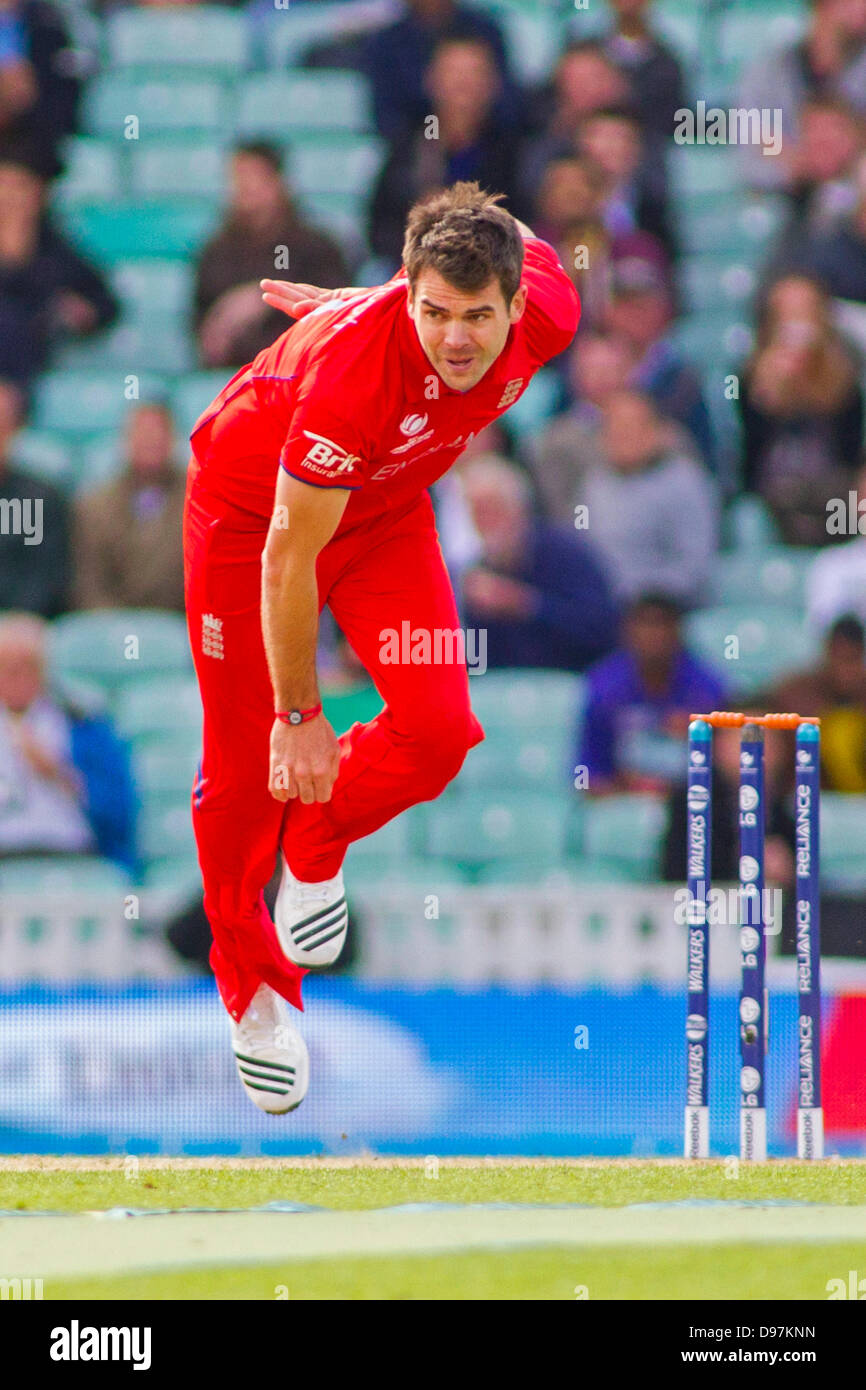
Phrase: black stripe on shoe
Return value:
(260, 1062)
(321, 940)
(321, 918)
(274, 1090)
(265, 1075)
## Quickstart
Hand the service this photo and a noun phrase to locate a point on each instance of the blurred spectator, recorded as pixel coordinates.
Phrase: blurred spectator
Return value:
(837, 256)
(641, 310)
(398, 57)
(653, 514)
(822, 169)
(829, 61)
(802, 411)
(725, 834)
(538, 592)
(65, 785)
(653, 70)
(639, 700)
(584, 81)
(232, 323)
(630, 200)
(466, 143)
(39, 85)
(34, 539)
(47, 291)
(836, 583)
(127, 534)
(600, 364)
(835, 692)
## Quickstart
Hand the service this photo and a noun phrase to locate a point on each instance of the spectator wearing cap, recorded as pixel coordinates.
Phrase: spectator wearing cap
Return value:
(48, 292)
(802, 409)
(653, 70)
(835, 691)
(65, 783)
(467, 142)
(34, 534)
(638, 703)
(641, 310)
(652, 514)
(836, 581)
(127, 534)
(830, 60)
(232, 324)
(537, 591)
(399, 55)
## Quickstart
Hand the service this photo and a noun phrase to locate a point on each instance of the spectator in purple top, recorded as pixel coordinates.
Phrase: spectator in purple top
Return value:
(639, 701)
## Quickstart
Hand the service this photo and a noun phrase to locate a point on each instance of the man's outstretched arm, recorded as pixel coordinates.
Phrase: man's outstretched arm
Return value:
(305, 758)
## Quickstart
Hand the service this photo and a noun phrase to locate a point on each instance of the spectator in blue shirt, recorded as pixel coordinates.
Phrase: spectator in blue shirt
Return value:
(537, 591)
(639, 700)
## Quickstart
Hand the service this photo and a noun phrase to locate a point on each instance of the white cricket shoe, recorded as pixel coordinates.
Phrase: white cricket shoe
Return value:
(271, 1056)
(311, 920)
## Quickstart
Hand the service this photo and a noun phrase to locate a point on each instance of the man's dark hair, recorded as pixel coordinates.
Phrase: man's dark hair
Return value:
(263, 150)
(466, 237)
(848, 628)
(656, 600)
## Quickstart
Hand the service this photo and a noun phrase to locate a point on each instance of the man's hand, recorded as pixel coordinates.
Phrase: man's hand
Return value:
(296, 299)
(305, 760)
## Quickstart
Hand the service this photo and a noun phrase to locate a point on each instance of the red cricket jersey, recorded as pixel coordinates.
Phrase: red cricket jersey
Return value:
(347, 398)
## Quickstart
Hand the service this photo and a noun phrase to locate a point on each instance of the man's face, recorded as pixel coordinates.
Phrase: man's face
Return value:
(849, 16)
(462, 333)
(846, 666)
(256, 187)
(10, 414)
(20, 192)
(463, 78)
(21, 675)
(641, 317)
(150, 441)
(652, 634)
(630, 431)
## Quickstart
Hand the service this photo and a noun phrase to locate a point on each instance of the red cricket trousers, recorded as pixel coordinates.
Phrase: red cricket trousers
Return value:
(373, 578)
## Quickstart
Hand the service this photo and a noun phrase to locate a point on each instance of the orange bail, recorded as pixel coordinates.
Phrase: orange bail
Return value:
(729, 719)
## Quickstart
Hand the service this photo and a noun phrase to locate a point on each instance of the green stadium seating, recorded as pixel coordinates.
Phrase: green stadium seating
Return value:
(536, 759)
(397, 840)
(178, 874)
(390, 871)
(164, 346)
(347, 167)
(711, 283)
(479, 827)
(151, 711)
(575, 873)
(159, 102)
(757, 30)
(95, 171)
(96, 646)
(843, 840)
(739, 226)
(278, 104)
(165, 771)
(626, 829)
(149, 288)
(771, 644)
(127, 230)
(165, 831)
(510, 701)
(45, 456)
(208, 36)
(291, 31)
(62, 874)
(750, 525)
(715, 340)
(776, 575)
(705, 169)
(534, 39)
(178, 167)
(194, 394)
(99, 460)
(85, 403)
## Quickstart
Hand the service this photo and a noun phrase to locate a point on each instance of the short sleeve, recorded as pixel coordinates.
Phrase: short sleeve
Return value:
(325, 445)
(553, 304)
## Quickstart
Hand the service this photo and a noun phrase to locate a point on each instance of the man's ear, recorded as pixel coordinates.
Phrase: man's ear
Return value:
(518, 305)
(410, 300)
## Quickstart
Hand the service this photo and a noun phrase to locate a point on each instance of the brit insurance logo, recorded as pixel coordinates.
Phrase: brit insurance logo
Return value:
(327, 457)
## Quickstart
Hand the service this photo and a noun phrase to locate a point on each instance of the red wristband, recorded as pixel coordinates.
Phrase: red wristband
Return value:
(298, 716)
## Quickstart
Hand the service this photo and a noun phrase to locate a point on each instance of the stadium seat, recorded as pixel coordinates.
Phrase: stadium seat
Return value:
(743, 227)
(757, 29)
(285, 36)
(480, 827)
(345, 167)
(62, 874)
(389, 871)
(574, 873)
(178, 167)
(534, 39)
(626, 829)
(277, 104)
(154, 346)
(192, 36)
(536, 759)
(95, 171)
(158, 103)
(123, 231)
(194, 394)
(119, 646)
(165, 831)
(100, 459)
(85, 403)
(750, 525)
(177, 874)
(704, 169)
(150, 710)
(770, 645)
(45, 456)
(154, 287)
(843, 838)
(398, 840)
(715, 340)
(506, 701)
(775, 575)
(711, 283)
(165, 771)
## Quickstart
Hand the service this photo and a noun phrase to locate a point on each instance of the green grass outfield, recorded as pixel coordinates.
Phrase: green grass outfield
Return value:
(575, 1229)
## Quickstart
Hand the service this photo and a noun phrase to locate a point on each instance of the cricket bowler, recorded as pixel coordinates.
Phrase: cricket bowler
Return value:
(308, 485)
